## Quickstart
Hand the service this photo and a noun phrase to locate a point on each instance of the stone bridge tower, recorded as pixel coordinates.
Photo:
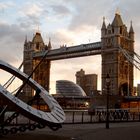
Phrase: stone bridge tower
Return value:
(114, 62)
(42, 74)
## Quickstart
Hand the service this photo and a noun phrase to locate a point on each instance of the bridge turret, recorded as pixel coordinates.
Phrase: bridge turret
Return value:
(49, 44)
(103, 29)
(37, 41)
(42, 74)
(131, 32)
(25, 42)
(117, 24)
(113, 61)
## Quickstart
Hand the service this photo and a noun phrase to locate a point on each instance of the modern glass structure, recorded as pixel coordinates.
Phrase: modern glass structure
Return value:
(67, 88)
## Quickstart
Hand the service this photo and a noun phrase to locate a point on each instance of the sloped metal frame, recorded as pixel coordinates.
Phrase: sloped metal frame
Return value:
(56, 114)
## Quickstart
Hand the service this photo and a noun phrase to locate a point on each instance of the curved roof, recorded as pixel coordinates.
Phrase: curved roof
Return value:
(68, 88)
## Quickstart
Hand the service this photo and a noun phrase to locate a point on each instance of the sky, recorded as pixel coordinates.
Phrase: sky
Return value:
(69, 22)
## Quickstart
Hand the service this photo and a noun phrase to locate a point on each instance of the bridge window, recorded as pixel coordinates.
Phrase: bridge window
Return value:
(37, 45)
(113, 30)
(120, 30)
(109, 31)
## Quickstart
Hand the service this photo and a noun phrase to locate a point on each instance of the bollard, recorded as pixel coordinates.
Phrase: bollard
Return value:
(73, 117)
(82, 116)
(91, 118)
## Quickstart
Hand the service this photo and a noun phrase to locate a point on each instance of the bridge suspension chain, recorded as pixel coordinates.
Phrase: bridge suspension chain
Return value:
(130, 57)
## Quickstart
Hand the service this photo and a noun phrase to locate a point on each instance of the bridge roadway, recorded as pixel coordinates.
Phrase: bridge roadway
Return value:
(71, 52)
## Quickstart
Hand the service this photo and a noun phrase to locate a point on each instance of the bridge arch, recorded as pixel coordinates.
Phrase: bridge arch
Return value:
(124, 89)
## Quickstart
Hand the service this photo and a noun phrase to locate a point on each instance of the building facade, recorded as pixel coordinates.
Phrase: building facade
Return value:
(88, 82)
(68, 88)
(114, 63)
(70, 95)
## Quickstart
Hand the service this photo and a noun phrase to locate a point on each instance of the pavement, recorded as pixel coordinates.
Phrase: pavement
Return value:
(117, 131)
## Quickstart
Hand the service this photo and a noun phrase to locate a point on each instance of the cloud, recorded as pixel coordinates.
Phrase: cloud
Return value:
(60, 37)
(76, 37)
(89, 13)
(6, 5)
(66, 22)
(33, 14)
(33, 10)
(90, 64)
(30, 15)
(60, 10)
(12, 40)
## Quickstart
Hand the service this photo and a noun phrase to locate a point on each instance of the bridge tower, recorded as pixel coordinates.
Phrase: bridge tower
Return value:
(42, 74)
(114, 62)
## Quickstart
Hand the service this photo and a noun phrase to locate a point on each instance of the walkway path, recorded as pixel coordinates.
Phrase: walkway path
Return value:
(117, 131)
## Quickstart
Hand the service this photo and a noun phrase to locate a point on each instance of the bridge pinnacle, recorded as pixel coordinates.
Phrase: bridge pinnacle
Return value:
(103, 19)
(25, 42)
(117, 20)
(131, 27)
(49, 44)
(117, 11)
(103, 25)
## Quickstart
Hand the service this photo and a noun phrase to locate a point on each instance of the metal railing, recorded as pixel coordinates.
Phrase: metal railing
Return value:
(98, 116)
(115, 115)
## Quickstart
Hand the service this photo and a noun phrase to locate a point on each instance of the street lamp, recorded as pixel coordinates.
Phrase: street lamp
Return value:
(128, 80)
(107, 100)
(127, 62)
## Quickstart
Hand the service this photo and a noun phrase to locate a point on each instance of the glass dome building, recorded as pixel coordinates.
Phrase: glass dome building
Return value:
(67, 88)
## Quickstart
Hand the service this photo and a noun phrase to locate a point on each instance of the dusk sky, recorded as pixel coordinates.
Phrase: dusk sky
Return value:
(69, 22)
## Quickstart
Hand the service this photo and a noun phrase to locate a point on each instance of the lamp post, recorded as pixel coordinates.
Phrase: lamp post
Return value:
(107, 100)
(127, 62)
(128, 94)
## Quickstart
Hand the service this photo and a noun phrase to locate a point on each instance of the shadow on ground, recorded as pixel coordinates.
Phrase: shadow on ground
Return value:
(28, 136)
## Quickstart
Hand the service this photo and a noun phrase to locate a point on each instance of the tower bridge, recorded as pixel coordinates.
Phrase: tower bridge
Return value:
(71, 52)
(114, 62)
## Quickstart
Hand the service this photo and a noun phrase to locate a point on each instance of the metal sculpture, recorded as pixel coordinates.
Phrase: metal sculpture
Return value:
(53, 119)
